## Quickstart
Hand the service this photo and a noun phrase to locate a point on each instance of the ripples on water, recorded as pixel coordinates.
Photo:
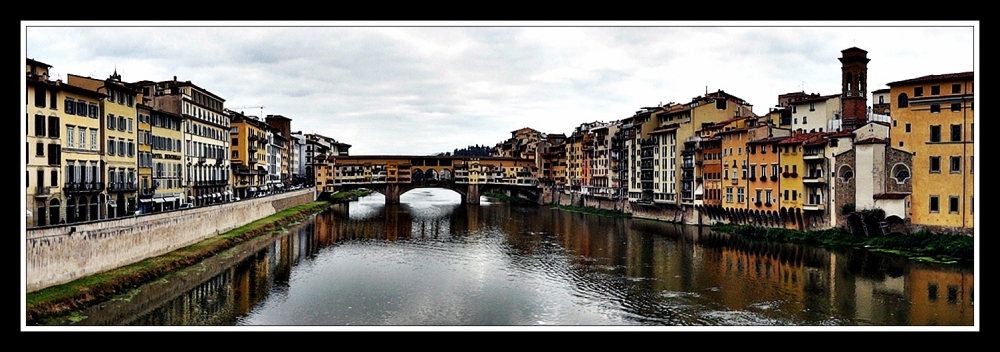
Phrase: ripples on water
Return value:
(432, 261)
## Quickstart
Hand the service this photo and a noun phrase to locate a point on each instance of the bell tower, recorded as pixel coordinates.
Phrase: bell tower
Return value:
(854, 87)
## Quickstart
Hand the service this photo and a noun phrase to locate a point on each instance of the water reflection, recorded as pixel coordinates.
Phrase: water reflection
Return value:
(434, 261)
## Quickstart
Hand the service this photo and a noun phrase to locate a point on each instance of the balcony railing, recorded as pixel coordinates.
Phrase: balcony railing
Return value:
(42, 191)
(121, 187)
(83, 187)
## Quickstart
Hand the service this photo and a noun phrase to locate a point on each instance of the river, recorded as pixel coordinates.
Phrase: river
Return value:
(433, 262)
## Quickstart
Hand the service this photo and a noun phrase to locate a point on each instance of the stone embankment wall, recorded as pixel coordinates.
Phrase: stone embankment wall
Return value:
(60, 254)
(660, 212)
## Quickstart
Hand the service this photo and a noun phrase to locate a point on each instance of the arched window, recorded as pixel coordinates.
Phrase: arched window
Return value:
(846, 173)
(849, 83)
(804, 120)
(900, 173)
(903, 101)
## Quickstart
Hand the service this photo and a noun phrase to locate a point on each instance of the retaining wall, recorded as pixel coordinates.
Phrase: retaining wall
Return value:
(60, 254)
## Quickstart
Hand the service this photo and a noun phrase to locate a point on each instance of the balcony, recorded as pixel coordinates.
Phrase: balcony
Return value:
(812, 157)
(42, 191)
(121, 187)
(83, 187)
(813, 177)
(201, 160)
(813, 207)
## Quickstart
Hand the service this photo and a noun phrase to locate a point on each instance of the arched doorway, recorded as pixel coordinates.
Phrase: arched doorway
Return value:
(121, 205)
(71, 210)
(94, 208)
(83, 206)
(54, 211)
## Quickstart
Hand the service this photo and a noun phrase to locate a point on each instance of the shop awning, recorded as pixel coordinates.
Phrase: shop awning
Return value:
(228, 193)
(157, 200)
(253, 189)
(216, 195)
(145, 200)
(191, 197)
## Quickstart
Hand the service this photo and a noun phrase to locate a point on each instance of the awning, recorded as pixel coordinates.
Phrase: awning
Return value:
(191, 197)
(699, 190)
(253, 189)
(171, 199)
(158, 200)
(228, 193)
(145, 200)
(216, 195)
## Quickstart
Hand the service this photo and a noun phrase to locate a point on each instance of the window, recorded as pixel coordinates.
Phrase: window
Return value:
(39, 125)
(40, 97)
(54, 154)
(956, 133)
(956, 107)
(935, 133)
(69, 105)
(956, 88)
(729, 194)
(933, 206)
(758, 200)
(39, 149)
(740, 197)
(935, 108)
(54, 127)
(111, 146)
(902, 174)
(956, 164)
(812, 107)
(918, 91)
(69, 137)
(972, 166)
(935, 164)
(111, 121)
(768, 199)
(92, 110)
(902, 100)
(54, 177)
(795, 194)
(953, 204)
(82, 143)
(786, 194)
(907, 127)
(935, 90)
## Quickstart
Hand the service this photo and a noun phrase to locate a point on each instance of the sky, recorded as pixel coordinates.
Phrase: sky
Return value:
(419, 88)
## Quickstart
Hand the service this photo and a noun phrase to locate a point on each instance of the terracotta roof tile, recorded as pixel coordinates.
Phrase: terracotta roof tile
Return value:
(930, 78)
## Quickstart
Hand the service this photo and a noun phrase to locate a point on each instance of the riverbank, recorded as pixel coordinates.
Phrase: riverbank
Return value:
(507, 199)
(921, 246)
(593, 210)
(62, 299)
(348, 196)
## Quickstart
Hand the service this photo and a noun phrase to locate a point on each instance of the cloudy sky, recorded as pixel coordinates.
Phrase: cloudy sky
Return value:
(421, 88)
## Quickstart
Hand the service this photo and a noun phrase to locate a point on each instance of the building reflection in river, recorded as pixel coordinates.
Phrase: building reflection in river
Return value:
(657, 272)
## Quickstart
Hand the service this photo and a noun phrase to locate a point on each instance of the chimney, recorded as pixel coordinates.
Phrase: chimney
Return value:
(175, 79)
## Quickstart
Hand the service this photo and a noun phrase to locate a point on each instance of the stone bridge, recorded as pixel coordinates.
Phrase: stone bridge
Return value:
(395, 175)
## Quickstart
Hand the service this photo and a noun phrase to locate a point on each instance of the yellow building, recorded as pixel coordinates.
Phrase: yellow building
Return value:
(248, 154)
(119, 135)
(167, 160)
(933, 118)
(64, 150)
(206, 136)
(144, 157)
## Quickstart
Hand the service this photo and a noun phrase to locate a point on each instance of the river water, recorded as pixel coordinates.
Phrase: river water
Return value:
(433, 262)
